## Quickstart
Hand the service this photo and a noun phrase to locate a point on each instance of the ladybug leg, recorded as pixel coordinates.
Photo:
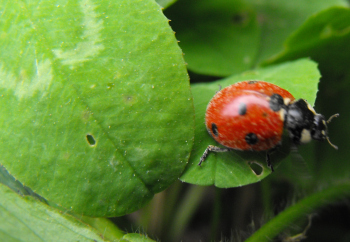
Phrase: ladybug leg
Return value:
(211, 148)
(268, 161)
(268, 153)
(220, 87)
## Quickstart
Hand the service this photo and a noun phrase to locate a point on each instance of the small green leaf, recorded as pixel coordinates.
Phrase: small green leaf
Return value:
(218, 37)
(105, 226)
(97, 114)
(232, 169)
(134, 237)
(27, 219)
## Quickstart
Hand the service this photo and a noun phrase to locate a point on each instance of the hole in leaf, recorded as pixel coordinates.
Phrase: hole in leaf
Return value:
(256, 168)
(90, 139)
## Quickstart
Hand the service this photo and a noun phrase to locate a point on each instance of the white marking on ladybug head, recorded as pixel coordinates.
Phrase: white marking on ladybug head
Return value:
(286, 101)
(282, 114)
(305, 136)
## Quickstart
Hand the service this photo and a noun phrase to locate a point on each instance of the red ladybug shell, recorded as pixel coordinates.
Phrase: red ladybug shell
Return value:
(240, 117)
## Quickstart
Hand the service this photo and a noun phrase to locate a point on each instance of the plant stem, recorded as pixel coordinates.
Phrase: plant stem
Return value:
(216, 214)
(186, 209)
(172, 199)
(305, 206)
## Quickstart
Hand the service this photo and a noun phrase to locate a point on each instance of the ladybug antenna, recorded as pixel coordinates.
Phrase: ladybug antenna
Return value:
(331, 117)
(334, 146)
(328, 121)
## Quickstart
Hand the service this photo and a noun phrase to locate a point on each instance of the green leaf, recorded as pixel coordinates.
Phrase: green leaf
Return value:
(97, 114)
(105, 226)
(279, 18)
(232, 169)
(134, 237)
(27, 219)
(218, 37)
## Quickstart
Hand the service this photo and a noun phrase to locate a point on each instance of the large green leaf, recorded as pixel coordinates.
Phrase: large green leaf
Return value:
(233, 169)
(96, 111)
(218, 37)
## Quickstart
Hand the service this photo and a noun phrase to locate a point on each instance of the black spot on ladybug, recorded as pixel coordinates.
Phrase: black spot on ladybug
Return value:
(242, 109)
(276, 102)
(251, 139)
(252, 82)
(264, 114)
(215, 130)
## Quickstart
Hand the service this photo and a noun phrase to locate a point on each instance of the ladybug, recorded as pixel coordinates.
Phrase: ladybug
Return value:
(252, 115)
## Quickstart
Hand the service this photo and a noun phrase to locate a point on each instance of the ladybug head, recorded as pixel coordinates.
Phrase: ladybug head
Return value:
(319, 129)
